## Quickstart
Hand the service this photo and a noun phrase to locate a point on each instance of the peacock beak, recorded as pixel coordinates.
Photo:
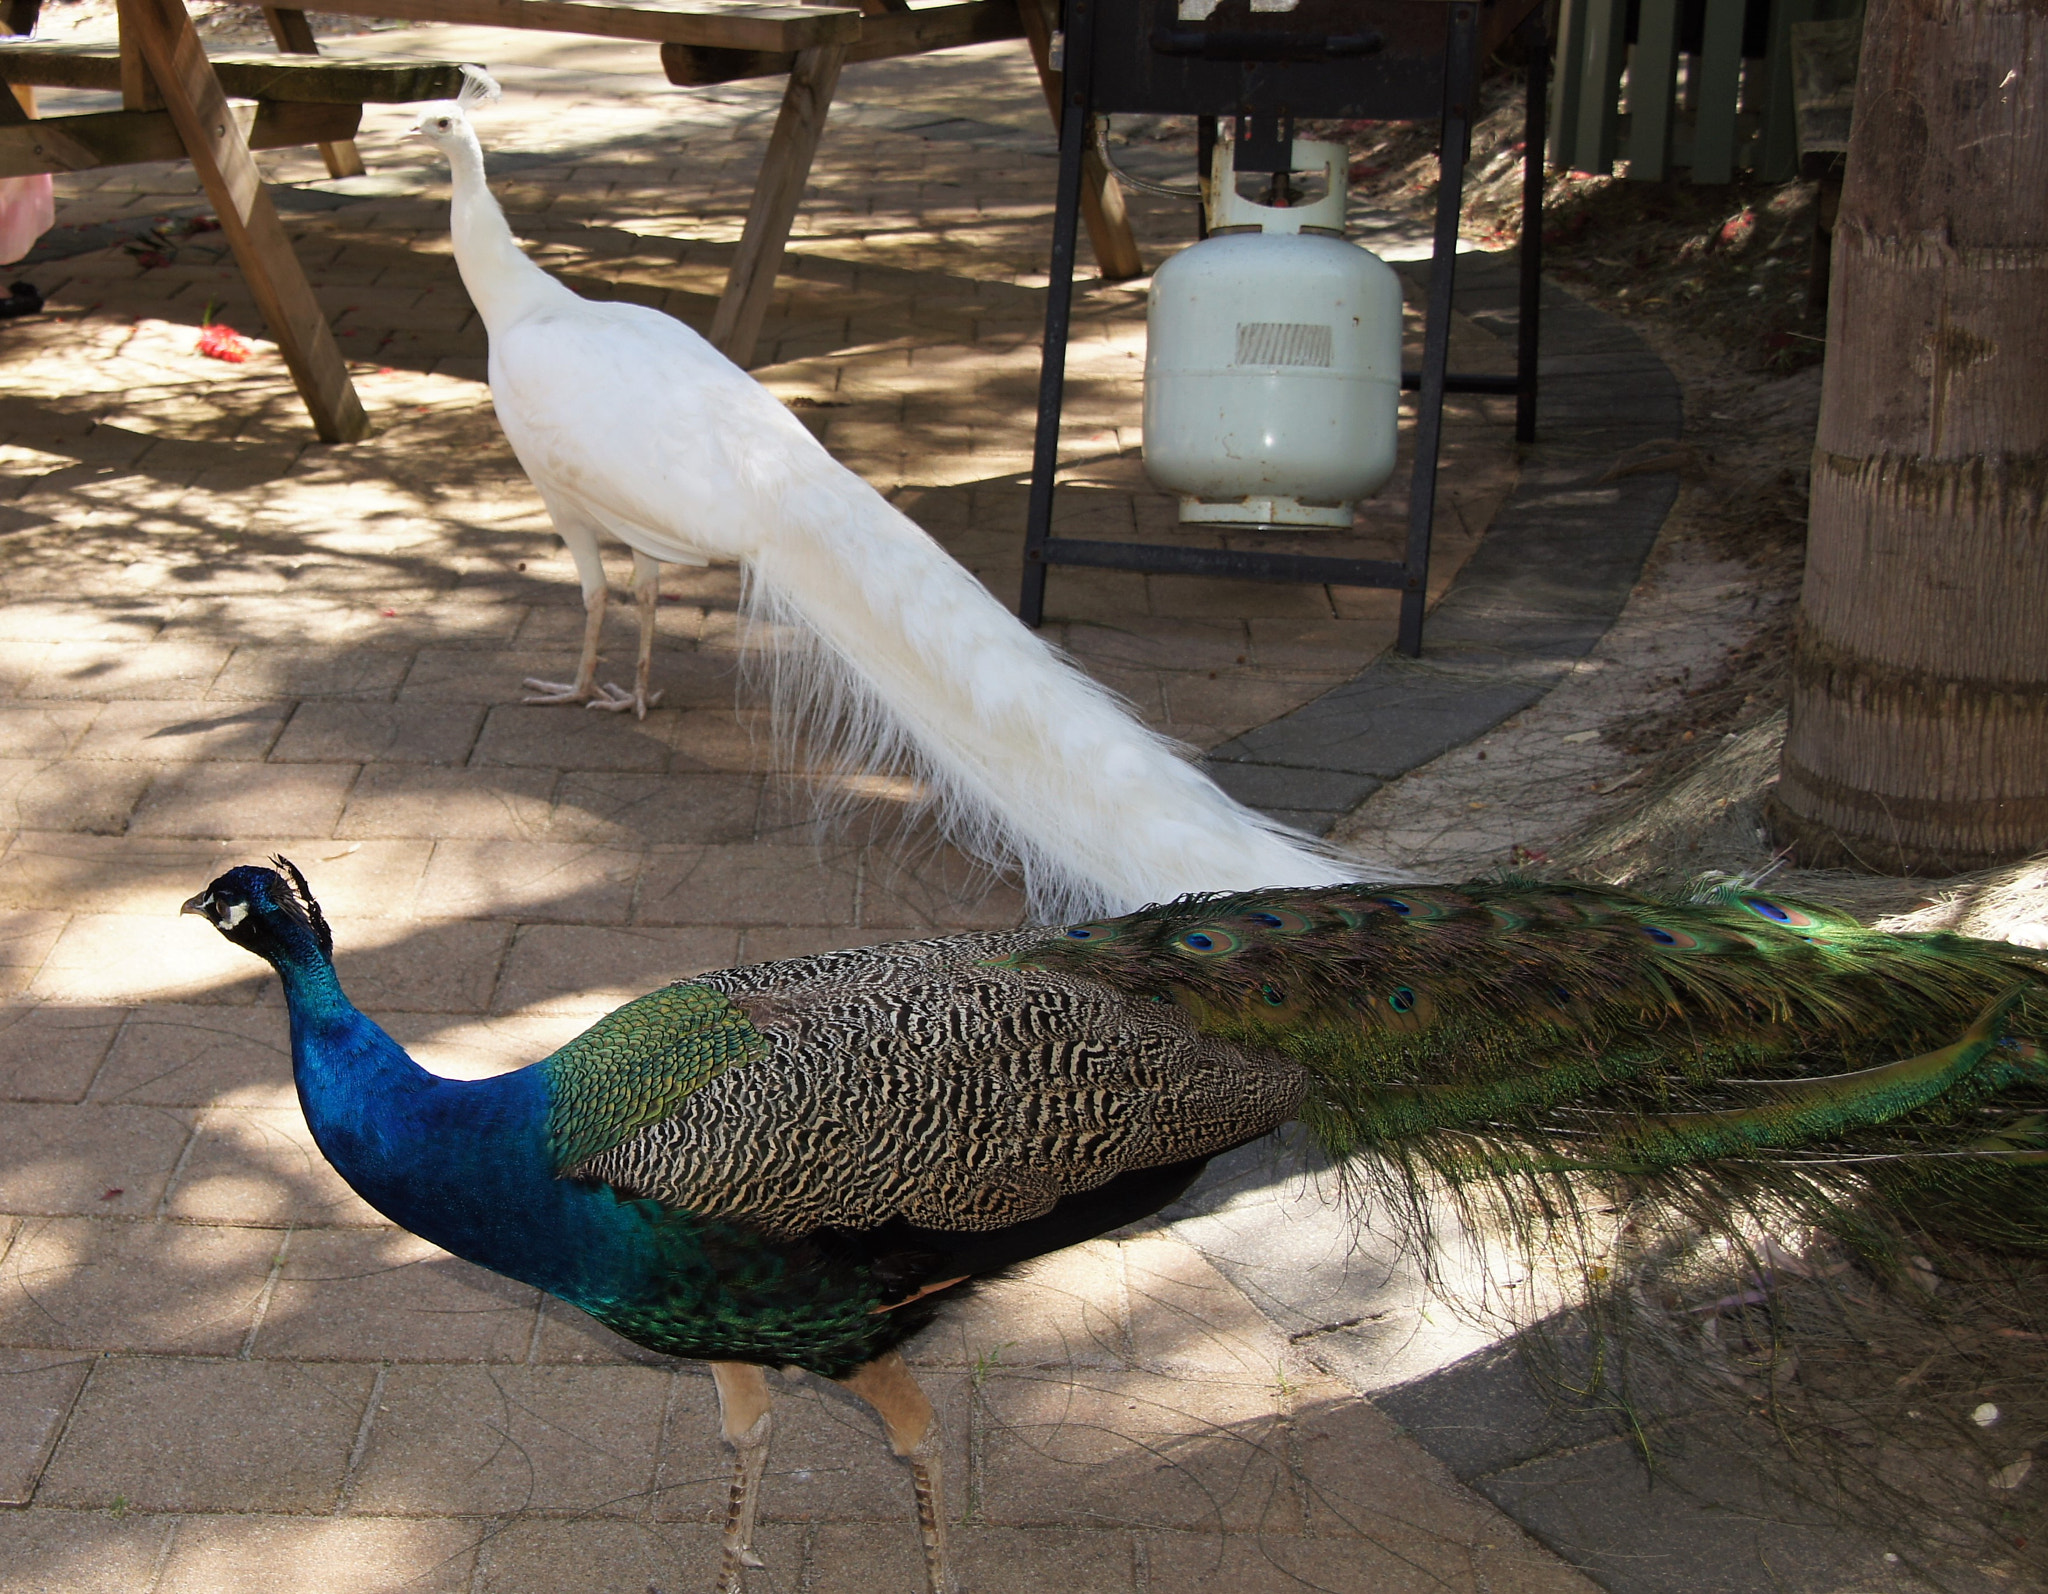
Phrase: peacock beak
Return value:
(201, 905)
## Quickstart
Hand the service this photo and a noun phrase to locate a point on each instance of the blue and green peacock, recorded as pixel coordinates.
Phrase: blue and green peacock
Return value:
(803, 1162)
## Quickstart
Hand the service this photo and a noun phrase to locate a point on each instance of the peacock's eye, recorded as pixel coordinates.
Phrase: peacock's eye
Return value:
(1274, 995)
(1402, 1000)
(443, 123)
(1080, 935)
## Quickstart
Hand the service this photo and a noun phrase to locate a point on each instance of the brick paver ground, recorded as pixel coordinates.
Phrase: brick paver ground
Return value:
(222, 1371)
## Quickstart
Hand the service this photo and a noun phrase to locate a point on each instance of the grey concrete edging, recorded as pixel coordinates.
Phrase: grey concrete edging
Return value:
(1548, 578)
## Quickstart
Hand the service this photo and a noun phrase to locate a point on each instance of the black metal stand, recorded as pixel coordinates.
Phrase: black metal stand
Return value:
(1453, 63)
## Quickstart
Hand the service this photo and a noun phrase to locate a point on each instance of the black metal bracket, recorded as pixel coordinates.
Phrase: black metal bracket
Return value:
(1459, 66)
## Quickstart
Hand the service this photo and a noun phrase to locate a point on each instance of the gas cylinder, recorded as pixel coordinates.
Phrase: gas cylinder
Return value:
(1273, 359)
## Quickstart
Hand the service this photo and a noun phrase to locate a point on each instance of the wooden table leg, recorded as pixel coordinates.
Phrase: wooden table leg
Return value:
(1102, 196)
(294, 36)
(213, 141)
(736, 328)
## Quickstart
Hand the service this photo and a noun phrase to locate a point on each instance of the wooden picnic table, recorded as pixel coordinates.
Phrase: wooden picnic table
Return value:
(717, 41)
(175, 103)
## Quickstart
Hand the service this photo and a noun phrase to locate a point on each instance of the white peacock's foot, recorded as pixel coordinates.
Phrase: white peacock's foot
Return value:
(555, 691)
(616, 699)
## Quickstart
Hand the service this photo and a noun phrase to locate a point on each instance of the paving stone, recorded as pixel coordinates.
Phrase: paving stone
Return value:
(1242, 1563)
(187, 1435)
(128, 959)
(567, 737)
(43, 730)
(93, 1284)
(258, 1165)
(52, 1053)
(937, 889)
(600, 1557)
(182, 732)
(598, 806)
(349, 1556)
(177, 1056)
(59, 1159)
(1070, 1559)
(1133, 1449)
(451, 1439)
(591, 969)
(36, 1391)
(480, 1046)
(105, 671)
(391, 1297)
(1188, 1319)
(412, 733)
(449, 966)
(81, 1552)
(1066, 1310)
(223, 799)
(353, 880)
(26, 941)
(276, 672)
(536, 882)
(48, 794)
(455, 804)
(1364, 1478)
(746, 885)
(108, 874)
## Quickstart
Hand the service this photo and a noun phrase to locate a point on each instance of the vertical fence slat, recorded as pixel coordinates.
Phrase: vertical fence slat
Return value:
(1652, 81)
(1713, 141)
(1564, 92)
(1600, 88)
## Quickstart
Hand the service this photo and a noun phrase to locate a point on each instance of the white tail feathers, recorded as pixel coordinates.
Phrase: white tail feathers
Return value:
(478, 88)
(890, 654)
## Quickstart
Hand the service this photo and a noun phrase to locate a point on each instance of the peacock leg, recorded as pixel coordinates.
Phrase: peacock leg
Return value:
(647, 594)
(743, 1414)
(579, 690)
(913, 1429)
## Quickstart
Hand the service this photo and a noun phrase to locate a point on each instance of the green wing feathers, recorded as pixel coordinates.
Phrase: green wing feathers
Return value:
(634, 1067)
(1548, 1027)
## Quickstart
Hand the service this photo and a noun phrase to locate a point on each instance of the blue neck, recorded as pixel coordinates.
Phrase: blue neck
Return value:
(464, 1164)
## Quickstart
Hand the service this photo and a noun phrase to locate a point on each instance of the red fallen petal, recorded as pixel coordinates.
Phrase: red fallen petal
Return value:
(218, 342)
(391, 614)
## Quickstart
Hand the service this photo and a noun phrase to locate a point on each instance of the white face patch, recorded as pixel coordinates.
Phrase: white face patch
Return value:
(235, 914)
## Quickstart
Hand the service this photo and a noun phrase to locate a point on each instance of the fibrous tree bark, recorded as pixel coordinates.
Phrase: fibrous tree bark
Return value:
(1919, 734)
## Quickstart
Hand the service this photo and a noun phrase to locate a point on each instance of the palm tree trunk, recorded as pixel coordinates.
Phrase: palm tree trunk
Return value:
(1919, 736)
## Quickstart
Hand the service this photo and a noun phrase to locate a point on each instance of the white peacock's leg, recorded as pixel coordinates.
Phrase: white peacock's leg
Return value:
(744, 1415)
(647, 594)
(581, 689)
(913, 1428)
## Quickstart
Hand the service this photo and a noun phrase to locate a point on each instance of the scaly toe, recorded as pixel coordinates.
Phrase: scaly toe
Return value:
(553, 691)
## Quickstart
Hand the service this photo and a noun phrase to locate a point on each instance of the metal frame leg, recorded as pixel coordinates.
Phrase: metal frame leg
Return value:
(1536, 42)
(1461, 83)
(1059, 304)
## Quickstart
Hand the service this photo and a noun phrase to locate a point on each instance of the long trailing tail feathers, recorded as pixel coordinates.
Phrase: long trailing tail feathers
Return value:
(891, 655)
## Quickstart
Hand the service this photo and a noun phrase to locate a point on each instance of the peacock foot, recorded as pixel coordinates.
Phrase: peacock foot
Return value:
(556, 691)
(617, 699)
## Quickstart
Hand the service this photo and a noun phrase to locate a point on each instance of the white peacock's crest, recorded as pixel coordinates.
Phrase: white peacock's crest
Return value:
(478, 88)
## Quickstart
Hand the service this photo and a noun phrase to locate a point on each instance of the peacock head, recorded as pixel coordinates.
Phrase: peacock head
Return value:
(445, 123)
(263, 912)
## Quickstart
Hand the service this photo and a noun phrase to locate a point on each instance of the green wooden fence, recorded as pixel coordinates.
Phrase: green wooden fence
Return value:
(1662, 109)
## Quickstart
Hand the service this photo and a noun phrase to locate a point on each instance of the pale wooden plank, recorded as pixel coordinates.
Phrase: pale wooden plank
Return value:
(63, 65)
(736, 327)
(882, 37)
(727, 24)
(124, 138)
(293, 34)
(215, 146)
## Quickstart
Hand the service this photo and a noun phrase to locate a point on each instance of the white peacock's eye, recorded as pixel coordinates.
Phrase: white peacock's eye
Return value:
(443, 123)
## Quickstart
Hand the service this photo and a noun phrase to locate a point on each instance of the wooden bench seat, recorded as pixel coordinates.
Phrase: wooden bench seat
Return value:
(293, 79)
(721, 24)
(86, 142)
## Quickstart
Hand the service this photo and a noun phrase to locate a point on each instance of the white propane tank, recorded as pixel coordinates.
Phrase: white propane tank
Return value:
(1273, 360)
